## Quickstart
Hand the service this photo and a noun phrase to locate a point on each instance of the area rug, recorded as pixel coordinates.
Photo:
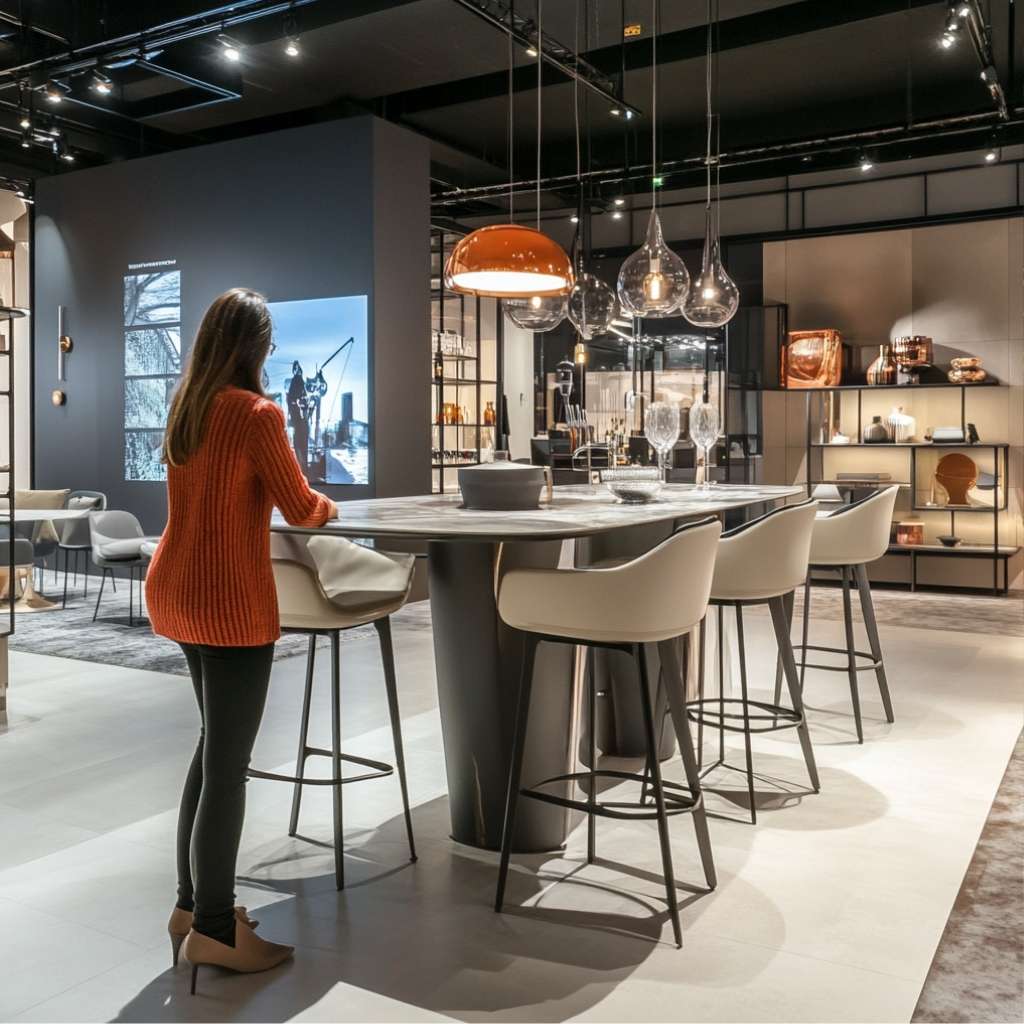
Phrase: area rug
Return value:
(109, 640)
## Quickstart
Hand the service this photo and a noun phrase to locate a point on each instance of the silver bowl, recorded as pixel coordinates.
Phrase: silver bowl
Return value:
(633, 485)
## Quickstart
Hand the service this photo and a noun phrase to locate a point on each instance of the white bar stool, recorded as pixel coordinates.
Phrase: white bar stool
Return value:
(761, 562)
(653, 599)
(845, 541)
(305, 608)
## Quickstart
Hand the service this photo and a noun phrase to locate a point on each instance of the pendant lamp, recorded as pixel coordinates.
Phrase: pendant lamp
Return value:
(509, 260)
(714, 297)
(653, 281)
(537, 312)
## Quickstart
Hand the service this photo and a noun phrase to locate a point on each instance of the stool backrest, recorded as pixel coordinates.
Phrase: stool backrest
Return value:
(856, 533)
(766, 557)
(111, 525)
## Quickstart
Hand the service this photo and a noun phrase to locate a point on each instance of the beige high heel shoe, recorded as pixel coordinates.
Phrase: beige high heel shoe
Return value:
(249, 954)
(180, 925)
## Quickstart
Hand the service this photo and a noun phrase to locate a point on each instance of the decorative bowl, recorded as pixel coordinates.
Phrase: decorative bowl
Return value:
(949, 541)
(633, 485)
(501, 486)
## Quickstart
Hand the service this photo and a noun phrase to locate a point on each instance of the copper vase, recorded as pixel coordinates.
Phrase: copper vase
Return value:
(883, 369)
(812, 359)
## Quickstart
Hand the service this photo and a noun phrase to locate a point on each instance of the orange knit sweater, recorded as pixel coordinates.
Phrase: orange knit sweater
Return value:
(210, 581)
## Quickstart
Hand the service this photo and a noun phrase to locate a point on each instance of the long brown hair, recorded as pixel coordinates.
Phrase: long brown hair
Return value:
(230, 348)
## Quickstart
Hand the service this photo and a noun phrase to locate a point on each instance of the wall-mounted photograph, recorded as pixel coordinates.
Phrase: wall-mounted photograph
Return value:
(152, 365)
(319, 374)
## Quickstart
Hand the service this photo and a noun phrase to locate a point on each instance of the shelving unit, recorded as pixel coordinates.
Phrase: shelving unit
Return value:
(466, 361)
(999, 454)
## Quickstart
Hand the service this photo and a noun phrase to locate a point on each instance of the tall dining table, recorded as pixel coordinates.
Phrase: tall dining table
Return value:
(477, 657)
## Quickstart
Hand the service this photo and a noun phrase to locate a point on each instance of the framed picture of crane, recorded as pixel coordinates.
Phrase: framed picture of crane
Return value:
(318, 372)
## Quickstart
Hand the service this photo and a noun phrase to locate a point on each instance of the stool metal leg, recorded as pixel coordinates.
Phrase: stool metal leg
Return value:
(339, 831)
(300, 759)
(387, 654)
(131, 593)
(787, 604)
(867, 607)
(515, 771)
(64, 599)
(746, 713)
(99, 596)
(672, 675)
(781, 622)
(702, 646)
(85, 573)
(851, 662)
(592, 759)
(805, 632)
(659, 793)
(721, 684)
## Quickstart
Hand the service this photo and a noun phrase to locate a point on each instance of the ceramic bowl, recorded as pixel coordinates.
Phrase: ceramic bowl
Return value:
(634, 485)
(949, 541)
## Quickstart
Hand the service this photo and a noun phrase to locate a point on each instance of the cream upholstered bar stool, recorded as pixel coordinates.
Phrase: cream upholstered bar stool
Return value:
(845, 541)
(305, 608)
(760, 562)
(653, 599)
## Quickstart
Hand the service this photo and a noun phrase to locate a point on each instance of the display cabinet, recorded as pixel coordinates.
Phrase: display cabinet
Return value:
(465, 385)
(840, 453)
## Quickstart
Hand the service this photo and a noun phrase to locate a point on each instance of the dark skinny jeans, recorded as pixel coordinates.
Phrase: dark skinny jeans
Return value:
(231, 689)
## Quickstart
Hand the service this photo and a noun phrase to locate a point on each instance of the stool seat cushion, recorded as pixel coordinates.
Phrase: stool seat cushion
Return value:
(854, 534)
(119, 550)
(148, 547)
(355, 577)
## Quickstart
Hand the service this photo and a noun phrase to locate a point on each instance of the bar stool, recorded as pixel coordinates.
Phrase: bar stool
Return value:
(653, 599)
(845, 541)
(305, 608)
(760, 562)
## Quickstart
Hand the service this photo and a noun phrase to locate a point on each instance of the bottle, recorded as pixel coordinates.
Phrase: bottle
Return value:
(489, 415)
(883, 369)
(875, 432)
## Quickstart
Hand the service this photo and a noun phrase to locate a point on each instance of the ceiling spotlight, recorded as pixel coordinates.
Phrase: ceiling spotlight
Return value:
(616, 215)
(575, 219)
(948, 39)
(615, 112)
(531, 51)
(25, 121)
(991, 156)
(657, 181)
(952, 23)
(54, 91)
(629, 115)
(964, 10)
(101, 84)
(26, 139)
(988, 74)
(619, 201)
(229, 49)
(291, 46)
(865, 163)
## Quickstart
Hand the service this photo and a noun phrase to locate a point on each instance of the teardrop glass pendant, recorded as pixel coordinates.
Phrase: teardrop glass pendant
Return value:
(537, 313)
(591, 306)
(653, 281)
(714, 297)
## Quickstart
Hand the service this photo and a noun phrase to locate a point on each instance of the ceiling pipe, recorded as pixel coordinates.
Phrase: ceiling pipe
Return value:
(569, 63)
(922, 131)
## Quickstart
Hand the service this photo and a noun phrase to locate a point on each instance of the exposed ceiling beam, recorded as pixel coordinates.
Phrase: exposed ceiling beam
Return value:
(685, 44)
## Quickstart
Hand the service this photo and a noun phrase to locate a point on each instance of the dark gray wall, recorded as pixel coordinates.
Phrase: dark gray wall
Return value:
(330, 209)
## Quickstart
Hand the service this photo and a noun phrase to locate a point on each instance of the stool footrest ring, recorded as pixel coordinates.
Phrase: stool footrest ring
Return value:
(381, 770)
(870, 664)
(678, 798)
(705, 711)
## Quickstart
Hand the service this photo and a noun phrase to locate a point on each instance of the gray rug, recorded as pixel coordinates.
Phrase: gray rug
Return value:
(978, 971)
(109, 640)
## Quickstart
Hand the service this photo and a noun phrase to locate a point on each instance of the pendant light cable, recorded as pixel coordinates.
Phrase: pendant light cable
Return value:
(654, 105)
(511, 114)
(707, 110)
(540, 86)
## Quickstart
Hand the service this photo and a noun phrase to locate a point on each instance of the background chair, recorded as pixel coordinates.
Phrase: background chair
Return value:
(23, 563)
(43, 535)
(653, 599)
(116, 539)
(74, 536)
(305, 608)
(845, 541)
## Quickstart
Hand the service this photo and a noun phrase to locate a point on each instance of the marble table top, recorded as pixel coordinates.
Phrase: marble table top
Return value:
(577, 511)
(43, 515)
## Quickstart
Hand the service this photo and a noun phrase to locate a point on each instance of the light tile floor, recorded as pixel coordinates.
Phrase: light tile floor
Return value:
(829, 910)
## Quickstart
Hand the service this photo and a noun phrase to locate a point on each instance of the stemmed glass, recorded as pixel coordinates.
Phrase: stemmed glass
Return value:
(704, 434)
(661, 428)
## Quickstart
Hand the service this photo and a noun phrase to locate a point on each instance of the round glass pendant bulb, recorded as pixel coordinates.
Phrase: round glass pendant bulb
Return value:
(591, 306)
(714, 297)
(536, 313)
(505, 260)
(653, 281)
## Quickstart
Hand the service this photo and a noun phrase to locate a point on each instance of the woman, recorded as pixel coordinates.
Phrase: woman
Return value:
(211, 588)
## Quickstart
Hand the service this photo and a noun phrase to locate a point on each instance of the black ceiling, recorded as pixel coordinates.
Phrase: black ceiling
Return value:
(818, 79)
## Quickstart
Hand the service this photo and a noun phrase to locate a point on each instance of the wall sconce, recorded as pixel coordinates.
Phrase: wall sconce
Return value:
(58, 397)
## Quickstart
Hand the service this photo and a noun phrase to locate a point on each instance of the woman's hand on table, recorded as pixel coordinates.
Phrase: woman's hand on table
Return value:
(333, 509)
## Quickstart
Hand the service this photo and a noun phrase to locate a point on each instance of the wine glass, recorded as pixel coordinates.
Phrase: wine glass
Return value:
(661, 428)
(704, 434)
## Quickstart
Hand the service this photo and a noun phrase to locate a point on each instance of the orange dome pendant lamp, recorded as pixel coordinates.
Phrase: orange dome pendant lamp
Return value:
(508, 261)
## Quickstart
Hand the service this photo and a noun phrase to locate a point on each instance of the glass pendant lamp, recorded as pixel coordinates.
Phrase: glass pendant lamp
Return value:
(714, 297)
(591, 306)
(537, 313)
(654, 281)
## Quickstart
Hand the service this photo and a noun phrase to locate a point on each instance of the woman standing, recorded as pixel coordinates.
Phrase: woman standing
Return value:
(210, 587)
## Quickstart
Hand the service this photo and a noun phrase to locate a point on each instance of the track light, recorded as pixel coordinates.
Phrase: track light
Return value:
(54, 91)
(948, 39)
(575, 219)
(629, 115)
(991, 155)
(62, 152)
(100, 83)
(619, 201)
(616, 215)
(531, 51)
(291, 46)
(26, 139)
(964, 10)
(25, 121)
(988, 74)
(615, 112)
(291, 36)
(952, 23)
(866, 163)
(229, 49)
